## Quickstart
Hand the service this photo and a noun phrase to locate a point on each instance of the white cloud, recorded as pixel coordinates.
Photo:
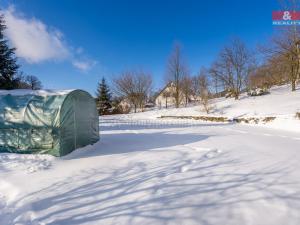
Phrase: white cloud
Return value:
(34, 41)
(83, 65)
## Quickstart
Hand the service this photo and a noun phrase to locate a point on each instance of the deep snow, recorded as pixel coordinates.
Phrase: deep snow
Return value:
(159, 172)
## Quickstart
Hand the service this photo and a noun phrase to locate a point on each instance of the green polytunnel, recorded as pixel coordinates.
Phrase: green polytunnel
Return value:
(46, 121)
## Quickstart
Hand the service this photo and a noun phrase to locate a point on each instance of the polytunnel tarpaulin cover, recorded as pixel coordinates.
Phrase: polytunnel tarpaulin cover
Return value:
(53, 122)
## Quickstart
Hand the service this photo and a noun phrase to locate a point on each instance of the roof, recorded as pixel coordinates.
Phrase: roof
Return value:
(162, 90)
(22, 92)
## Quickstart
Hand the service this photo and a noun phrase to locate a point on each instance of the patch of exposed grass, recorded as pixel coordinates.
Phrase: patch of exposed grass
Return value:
(269, 119)
(250, 120)
(202, 118)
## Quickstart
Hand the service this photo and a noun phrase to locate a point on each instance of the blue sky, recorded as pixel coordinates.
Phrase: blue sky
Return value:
(72, 44)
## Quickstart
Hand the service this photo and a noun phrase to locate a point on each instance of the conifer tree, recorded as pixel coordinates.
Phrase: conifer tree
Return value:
(103, 98)
(8, 62)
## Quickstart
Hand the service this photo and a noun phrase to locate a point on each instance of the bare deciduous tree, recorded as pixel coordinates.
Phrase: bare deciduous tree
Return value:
(283, 57)
(176, 70)
(33, 82)
(234, 64)
(196, 83)
(285, 53)
(272, 72)
(166, 95)
(135, 86)
(195, 87)
(204, 91)
(186, 88)
(143, 83)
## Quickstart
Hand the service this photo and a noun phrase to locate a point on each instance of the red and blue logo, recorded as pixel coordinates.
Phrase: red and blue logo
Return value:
(286, 17)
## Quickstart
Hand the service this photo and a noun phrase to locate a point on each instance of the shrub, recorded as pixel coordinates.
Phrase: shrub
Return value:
(269, 119)
(258, 92)
(230, 93)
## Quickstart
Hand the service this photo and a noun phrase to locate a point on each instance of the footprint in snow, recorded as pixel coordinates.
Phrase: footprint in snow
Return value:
(184, 169)
(218, 150)
(158, 191)
(212, 153)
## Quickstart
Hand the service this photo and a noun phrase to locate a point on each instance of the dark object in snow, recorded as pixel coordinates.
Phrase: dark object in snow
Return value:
(149, 105)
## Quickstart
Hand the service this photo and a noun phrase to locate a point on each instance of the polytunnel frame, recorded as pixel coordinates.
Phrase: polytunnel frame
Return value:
(69, 95)
(30, 127)
(27, 127)
(74, 114)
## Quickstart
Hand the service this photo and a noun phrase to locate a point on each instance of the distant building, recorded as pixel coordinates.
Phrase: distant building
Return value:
(165, 98)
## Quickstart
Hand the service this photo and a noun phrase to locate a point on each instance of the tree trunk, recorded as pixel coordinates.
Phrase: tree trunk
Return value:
(236, 96)
(177, 96)
(293, 85)
(177, 101)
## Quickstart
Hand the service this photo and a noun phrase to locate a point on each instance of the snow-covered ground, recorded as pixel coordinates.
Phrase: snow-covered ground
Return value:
(280, 103)
(159, 172)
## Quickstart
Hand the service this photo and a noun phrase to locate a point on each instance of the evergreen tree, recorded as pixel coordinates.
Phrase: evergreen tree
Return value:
(103, 98)
(8, 62)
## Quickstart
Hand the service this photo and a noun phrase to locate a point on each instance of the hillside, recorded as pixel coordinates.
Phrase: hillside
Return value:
(280, 103)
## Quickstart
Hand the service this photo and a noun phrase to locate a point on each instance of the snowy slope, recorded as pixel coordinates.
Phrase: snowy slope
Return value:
(159, 173)
(281, 103)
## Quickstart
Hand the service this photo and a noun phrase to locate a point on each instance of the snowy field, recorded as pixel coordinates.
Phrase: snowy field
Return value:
(159, 172)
